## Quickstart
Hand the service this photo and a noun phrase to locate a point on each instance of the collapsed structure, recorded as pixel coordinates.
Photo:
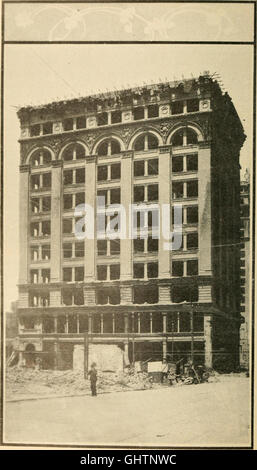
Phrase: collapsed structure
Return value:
(132, 300)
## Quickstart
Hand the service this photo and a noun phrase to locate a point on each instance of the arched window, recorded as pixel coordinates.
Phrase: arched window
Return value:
(41, 157)
(108, 147)
(185, 136)
(74, 152)
(146, 142)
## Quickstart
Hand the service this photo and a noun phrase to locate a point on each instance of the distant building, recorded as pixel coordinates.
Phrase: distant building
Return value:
(169, 143)
(245, 268)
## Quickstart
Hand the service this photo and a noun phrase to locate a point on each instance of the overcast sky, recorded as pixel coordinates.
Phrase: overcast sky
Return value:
(37, 74)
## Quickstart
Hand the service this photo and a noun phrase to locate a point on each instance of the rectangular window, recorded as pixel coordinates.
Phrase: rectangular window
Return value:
(47, 128)
(138, 113)
(102, 119)
(67, 201)
(46, 252)
(79, 249)
(102, 173)
(80, 122)
(152, 270)
(45, 276)
(115, 196)
(177, 268)
(138, 245)
(102, 194)
(192, 267)
(177, 164)
(80, 175)
(78, 297)
(192, 241)
(67, 177)
(139, 168)
(66, 297)
(192, 215)
(46, 204)
(79, 198)
(114, 271)
(138, 270)
(192, 106)
(102, 247)
(79, 273)
(115, 171)
(34, 130)
(67, 226)
(184, 322)
(198, 322)
(152, 244)
(177, 107)
(116, 117)
(35, 182)
(46, 180)
(192, 162)
(67, 250)
(139, 193)
(34, 276)
(102, 272)
(177, 190)
(152, 192)
(35, 205)
(67, 124)
(153, 166)
(115, 247)
(34, 253)
(192, 188)
(46, 227)
(67, 274)
(153, 111)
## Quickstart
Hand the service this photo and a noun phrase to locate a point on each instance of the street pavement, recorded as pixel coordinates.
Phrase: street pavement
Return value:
(210, 414)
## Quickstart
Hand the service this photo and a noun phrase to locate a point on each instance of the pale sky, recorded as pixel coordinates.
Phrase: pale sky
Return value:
(36, 74)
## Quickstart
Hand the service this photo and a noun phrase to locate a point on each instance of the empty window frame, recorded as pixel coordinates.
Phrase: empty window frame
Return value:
(47, 128)
(192, 267)
(67, 250)
(102, 247)
(34, 130)
(152, 244)
(192, 241)
(152, 270)
(81, 122)
(115, 171)
(114, 271)
(115, 196)
(80, 175)
(115, 117)
(67, 177)
(45, 275)
(177, 107)
(139, 193)
(46, 227)
(146, 294)
(153, 111)
(153, 166)
(67, 226)
(138, 113)
(79, 249)
(79, 273)
(177, 268)
(139, 168)
(46, 252)
(79, 198)
(46, 204)
(46, 180)
(115, 247)
(67, 124)
(177, 164)
(192, 214)
(102, 119)
(67, 274)
(102, 272)
(192, 105)
(192, 162)
(192, 188)
(152, 192)
(138, 245)
(102, 173)
(177, 189)
(138, 270)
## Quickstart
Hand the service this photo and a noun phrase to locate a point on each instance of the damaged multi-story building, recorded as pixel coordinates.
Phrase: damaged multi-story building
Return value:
(131, 299)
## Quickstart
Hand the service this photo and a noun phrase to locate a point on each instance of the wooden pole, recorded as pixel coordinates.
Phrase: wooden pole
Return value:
(85, 355)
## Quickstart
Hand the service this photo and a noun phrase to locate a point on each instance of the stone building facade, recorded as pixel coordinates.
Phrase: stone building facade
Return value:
(245, 268)
(169, 143)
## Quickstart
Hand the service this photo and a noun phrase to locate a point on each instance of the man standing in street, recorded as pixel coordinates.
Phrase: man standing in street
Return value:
(93, 378)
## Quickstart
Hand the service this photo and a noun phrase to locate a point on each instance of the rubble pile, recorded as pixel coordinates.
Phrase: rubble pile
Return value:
(28, 382)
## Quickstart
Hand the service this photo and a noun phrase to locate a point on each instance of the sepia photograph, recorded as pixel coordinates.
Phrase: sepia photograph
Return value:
(128, 167)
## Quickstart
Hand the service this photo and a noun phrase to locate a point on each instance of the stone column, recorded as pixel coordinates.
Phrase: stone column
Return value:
(208, 340)
(164, 349)
(164, 322)
(24, 224)
(164, 198)
(126, 199)
(56, 210)
(90, 199)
